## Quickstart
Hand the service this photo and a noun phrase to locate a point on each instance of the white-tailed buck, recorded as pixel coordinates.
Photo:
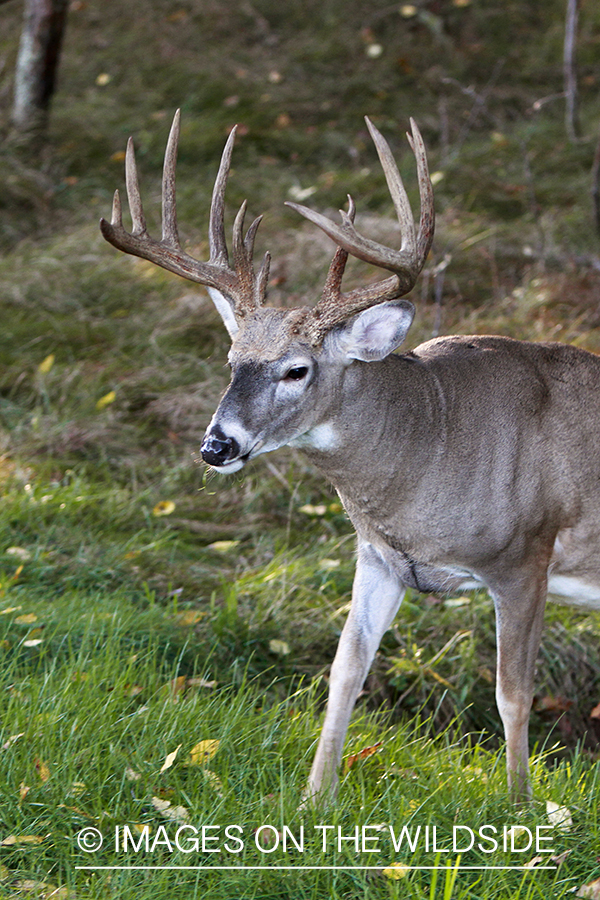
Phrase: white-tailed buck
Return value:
(470, 462)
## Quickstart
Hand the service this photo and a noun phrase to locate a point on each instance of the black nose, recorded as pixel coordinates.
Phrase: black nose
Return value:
(218, 449)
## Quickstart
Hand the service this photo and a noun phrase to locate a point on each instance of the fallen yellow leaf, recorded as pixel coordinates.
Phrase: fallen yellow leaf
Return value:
(223, 546)
(170, 759)
(13, 839)
(396, 871)
(164, 508)
(46, 364)
(190, 617)
(203, 751)
(26, 619)
(280, 648)
(311, 510)
(106, 400)
(43, 770)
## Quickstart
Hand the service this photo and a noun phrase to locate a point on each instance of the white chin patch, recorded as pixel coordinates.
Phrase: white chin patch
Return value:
(228, 468)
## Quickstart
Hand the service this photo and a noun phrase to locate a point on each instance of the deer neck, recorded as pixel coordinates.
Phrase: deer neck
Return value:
(388, 414)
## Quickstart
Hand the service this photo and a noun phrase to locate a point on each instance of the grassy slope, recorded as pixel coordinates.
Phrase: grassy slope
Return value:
(127, 601)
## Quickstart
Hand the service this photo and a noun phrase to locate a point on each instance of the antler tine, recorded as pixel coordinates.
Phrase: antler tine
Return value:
(237, 288)
(170, 234)
(427, 220)
(216, 226)
(243, 254)
(337, 267)
(406, 263)
(133, 191)
(396, 189)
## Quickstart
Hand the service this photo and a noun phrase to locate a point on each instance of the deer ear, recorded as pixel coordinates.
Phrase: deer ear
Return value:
(374, 333)
(225, 310)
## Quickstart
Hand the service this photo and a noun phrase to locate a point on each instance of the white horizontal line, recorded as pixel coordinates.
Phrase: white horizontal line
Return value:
(314, 868)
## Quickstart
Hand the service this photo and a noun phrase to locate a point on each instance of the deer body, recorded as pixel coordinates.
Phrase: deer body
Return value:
(468, 462)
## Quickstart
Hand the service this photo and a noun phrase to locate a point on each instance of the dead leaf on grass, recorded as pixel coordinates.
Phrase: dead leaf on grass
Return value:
(15, 839)
(164, 508)
(11, 740)
(106, 400)
(202, 752)
(396, 871)
(214, 781)
(223, 546)
(166, 809)
(559, 816)
(170, 759)
(43, 770)
(362, 754)
(46, 364)
(202, 683)
(190, 617)
(19, 553)
(590, 891)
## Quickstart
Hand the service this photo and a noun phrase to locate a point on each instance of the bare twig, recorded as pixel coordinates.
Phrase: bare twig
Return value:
(570, 71)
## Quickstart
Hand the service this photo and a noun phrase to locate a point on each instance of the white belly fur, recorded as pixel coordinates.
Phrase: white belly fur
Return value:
(573, 592)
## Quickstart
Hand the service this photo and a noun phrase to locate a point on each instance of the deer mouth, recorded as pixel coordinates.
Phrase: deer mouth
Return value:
(223, 452)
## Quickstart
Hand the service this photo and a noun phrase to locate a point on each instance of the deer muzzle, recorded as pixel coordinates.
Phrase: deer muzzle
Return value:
(218, 449)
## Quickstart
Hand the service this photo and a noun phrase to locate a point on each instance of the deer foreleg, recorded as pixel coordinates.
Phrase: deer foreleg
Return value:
(376, 595)
(518, 628)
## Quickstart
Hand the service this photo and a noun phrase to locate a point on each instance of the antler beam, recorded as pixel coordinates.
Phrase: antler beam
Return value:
(336, 307)
(243, 289)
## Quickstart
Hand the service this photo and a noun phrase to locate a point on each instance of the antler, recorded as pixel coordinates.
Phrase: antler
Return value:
(243, 289)
(334, 306)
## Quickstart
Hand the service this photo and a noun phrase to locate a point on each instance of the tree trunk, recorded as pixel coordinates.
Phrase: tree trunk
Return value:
(596, 186)
(39, 51)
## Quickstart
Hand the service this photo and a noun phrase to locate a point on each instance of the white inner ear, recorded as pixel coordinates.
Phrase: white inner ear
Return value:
(225, 310)
(374, 333)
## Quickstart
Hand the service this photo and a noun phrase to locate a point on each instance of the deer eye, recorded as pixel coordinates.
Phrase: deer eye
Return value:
(296, 373)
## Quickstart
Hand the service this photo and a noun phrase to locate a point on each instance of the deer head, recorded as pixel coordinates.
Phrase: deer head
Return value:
(286, 363)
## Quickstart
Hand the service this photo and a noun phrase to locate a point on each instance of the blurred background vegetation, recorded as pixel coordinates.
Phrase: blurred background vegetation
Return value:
(110, 369)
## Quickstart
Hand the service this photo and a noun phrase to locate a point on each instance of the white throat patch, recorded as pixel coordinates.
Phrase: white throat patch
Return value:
(322, 437)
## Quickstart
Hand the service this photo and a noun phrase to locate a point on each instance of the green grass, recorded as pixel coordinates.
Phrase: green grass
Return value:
(127, 633)
(91, 713)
